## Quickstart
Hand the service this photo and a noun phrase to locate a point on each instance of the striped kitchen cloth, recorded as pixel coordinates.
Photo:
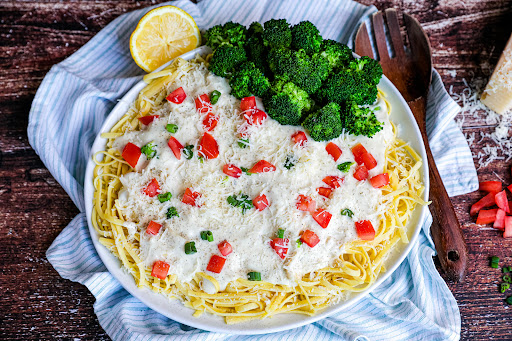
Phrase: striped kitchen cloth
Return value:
(78, 93)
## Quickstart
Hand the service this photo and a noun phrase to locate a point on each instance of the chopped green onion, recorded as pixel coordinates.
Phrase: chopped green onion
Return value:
(201, 158)
(507, 279)
(172, 212)
(242, 201)
(188, 151)
(232, 200)
(164, 197)
(509, 300)
(214, 96)
(504, 287)
(347, 212)
(345, 166)
(190, 248)
(149, 150)
(245, 170)
(290, 161)
(207, 235)
(243, 143)
(495, 262)
(299, 242)
(505, 269)
(171, 128)
(280, 233)
(254, 276)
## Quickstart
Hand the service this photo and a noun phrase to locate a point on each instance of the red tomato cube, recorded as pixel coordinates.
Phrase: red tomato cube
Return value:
(365, 230)
(322, 217)
(255, 117)
(501, 201)
(152, 189)
(333, 181)
(175, 146)
(333, 150)
(153, 228)
(216, 264)
(248, 103)
(358, 151)
(508, 228)
(131, 154)
(499, 223)
(262, 166)
(486, 216)
(305, 203)
(210, 121)
(280, 246)
(160, 269)
(260, 202)
(300, 138)
(380, 180)
(361, 173)
(324, 191)
(177, 96)
(203, 104)
(491, 186)
(310, 238)
(369, 161)
(208, 147)
(146, 120)
(487, 201)
(232, 170)
(225, 248)
(190, 197)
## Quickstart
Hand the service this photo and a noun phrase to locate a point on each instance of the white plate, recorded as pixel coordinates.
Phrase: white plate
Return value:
(174, 309)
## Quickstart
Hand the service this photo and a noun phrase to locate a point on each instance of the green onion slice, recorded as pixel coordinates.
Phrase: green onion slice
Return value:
(214, 96)
(207, 235)
(243, 143)
(190, 248)
(345, 166)
(290, 161)
(299, 242)
(504, 287)
(347, 212)
(149, 150)
(509, 300)
(254, 276)
(280, 233)
(188, 151)
(171, 128)
(164, 197)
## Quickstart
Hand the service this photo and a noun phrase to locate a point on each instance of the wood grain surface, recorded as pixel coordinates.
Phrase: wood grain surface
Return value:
(36, 303)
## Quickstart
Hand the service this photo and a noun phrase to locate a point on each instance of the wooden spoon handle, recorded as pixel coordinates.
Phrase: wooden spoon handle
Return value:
(446, 232)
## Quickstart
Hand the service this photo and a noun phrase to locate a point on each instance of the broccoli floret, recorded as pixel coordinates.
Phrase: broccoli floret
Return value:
(277, 33)
(347, 85)
(360, 120)
(324, 124)
(230, 33)
(369, 68)
(279, 61)
(255, 28)
(225, 58)
(247, 81)
(337, 54)
(256, 51)
(305, 36)
(287, 102)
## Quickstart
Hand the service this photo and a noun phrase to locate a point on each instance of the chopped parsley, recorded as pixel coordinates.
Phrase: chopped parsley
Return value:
(290, 161)
(243, 143)
(172, 212)
(242, 201)
(345, 166)
(188, 151)
(214, 96)
(149, 150)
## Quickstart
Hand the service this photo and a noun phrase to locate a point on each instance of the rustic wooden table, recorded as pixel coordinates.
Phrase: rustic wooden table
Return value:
(36, 303)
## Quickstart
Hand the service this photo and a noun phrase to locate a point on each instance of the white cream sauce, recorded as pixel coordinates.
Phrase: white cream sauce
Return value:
(249, 233)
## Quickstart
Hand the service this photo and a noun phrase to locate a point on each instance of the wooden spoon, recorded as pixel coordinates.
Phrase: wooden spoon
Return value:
(411, 72)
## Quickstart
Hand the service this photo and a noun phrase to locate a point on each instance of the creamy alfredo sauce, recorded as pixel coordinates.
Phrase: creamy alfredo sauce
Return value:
(249, 234)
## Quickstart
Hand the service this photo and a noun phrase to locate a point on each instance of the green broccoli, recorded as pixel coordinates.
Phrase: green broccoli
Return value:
(255, 28)
(277, 33)
(324, 124)
(225, 58)
(360, 120)
(369, 68)
(347, 85)
(286, 102)
(230, 33)
(337, 54)
(305, 36)
(247, 81)
(256, 51)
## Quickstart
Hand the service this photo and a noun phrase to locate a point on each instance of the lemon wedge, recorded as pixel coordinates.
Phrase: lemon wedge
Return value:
(161, 35)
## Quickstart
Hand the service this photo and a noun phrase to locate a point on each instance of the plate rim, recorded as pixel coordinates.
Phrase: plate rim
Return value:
(112, 263)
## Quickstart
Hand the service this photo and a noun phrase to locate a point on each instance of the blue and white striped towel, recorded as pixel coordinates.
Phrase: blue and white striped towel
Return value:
(78, 93)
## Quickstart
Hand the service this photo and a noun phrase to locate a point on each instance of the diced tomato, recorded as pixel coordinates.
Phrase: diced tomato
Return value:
(300, 138)
(210, 121)
(361, 173)
(501, 201)
(256, 117)
(333, 181)
(333, 150)
(153, 228)
(509, 188)
(369, 161)
(131, 153)
(216, 264)
(177, 96)
(380, 180)
(486, 216)
(324, 191)
(358, 151)
(190, 197)
(232, 170)
(508, 228)
(152, 189)
(486, 201)
(280, 246)
(225, 248)
(310, 238)
(365, 230)
(160, 269)
(262, 166)
(208, 147)
(510, 206)
(499, 223)
(305, 203)
(203, 104)
(175, 146)
(491, 186)
(260, 202)
(148, 119)
(248, 103)
(322, 217)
